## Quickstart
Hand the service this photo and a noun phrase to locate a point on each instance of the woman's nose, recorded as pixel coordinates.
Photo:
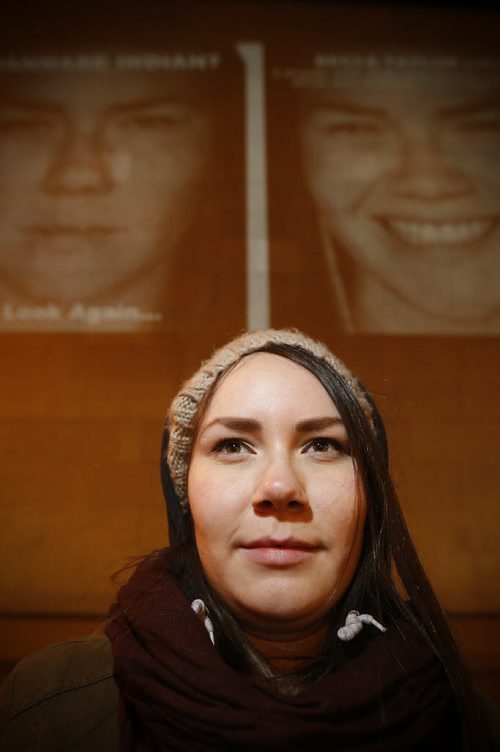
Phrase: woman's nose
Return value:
(279, 489)
(79, 167)
(426, 172)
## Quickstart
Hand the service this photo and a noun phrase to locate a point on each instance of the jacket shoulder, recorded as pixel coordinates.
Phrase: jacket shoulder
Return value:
(60, 668)
(61, 697)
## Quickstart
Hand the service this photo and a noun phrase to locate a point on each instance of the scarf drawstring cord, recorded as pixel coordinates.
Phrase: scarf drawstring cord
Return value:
(352, 627)
(202, 612)
(354, 624)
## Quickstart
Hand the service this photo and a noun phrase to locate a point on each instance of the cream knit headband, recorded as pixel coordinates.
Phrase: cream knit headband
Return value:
(181, 418)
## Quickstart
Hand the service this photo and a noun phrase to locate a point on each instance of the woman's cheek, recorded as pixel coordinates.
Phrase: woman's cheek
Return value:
(212, 500)
(341, 176)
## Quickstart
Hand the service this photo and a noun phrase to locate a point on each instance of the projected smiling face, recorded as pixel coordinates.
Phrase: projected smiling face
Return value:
(100, 176)
(404, 169)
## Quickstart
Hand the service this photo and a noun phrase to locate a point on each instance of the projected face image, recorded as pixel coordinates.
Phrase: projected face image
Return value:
(406, 180)
(100, 176)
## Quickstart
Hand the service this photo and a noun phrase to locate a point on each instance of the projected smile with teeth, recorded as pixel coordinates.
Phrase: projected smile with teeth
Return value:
(420, 233)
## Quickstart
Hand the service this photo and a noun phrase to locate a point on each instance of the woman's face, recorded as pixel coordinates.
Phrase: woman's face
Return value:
(404, 170)
(101, 175)
(273, 492)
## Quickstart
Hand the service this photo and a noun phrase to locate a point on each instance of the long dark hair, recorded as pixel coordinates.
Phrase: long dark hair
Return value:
(389, 581)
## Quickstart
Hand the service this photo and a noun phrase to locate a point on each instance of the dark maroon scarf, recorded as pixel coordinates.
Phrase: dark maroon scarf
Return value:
(177, 692)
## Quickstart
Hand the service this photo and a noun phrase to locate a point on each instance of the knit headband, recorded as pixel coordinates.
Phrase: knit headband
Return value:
(181, 420)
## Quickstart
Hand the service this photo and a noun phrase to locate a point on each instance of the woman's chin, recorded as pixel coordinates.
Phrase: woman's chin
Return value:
(278, 615)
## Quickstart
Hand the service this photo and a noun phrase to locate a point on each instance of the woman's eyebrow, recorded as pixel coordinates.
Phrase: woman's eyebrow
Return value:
(477, 107)
(317, 424)
(235, 424)
(150, 103)
(30, 105)
(347, 107)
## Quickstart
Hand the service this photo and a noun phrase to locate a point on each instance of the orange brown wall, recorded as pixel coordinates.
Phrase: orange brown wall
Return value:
(82, 408)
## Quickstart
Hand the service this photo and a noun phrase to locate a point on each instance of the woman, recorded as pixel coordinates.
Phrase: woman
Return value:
(289, 611)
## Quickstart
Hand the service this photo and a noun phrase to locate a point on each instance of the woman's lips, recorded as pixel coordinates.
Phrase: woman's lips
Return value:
(67, 241)
(279, 553)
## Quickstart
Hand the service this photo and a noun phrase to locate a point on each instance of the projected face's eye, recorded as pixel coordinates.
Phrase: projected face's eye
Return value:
(474, 135)
(343, 125)
(28, 122)
(161, 120)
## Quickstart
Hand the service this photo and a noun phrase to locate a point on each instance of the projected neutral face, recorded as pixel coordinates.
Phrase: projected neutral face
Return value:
(101, 174)
(404, 170)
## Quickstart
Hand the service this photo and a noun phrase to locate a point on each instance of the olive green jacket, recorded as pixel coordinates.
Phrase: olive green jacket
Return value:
(62, 698)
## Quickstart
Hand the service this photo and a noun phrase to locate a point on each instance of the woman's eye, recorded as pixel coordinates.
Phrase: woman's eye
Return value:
(323, 445)
(338, 125)
(23, 124)
(156, 119)
(354, 129)
(229, 447)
